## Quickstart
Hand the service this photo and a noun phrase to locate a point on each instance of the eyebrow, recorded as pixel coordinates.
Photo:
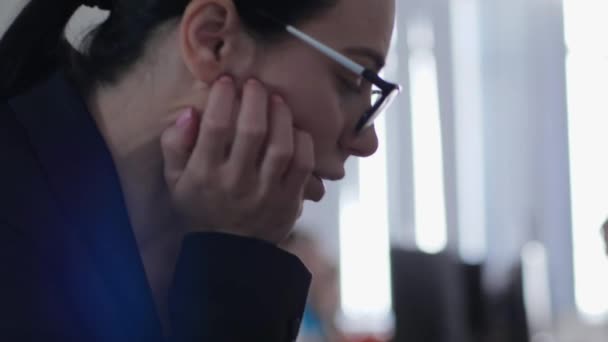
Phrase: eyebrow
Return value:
(377, 58)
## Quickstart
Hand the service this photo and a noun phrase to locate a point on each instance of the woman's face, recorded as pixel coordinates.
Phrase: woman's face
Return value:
(323, 95)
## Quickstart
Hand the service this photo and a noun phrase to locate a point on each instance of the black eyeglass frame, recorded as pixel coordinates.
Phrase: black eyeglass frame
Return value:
(388, 90)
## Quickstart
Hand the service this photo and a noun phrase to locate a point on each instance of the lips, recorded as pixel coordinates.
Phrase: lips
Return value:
(335, 176)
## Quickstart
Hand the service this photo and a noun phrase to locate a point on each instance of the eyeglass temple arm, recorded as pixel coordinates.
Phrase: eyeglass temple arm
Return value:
(326, 50)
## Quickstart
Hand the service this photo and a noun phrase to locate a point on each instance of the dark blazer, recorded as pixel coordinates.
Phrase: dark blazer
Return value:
(70, 269)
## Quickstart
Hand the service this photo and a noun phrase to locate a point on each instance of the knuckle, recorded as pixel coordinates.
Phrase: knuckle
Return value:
(201, 179)
(216, 127)
(231, 184)
(228, 188)
(171, 146)
(165, 140)
(304, 138)
(172, 178)
(303, 165)
(279, 155)
(235, 186)
(265, 196)
(253, 132)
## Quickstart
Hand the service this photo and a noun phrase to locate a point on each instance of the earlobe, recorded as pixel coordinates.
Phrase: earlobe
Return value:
(206, 31)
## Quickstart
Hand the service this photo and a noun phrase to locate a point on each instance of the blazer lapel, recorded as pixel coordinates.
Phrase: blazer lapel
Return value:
(83, 179)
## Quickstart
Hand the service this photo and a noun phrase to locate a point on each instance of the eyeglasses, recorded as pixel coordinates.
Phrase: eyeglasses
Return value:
(381, 97)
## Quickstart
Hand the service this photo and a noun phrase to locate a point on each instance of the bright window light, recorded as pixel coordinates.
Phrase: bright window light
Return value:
(587, 77)
(536, 288)
(586, 26)
(429, 197)
(365, 249)
(469, 129)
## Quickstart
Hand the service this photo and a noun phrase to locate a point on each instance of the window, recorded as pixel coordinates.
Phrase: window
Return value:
(429, 194)
(587, 76)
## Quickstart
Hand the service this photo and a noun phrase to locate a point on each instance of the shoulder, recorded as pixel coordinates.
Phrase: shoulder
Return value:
(8, 122)
(15, 146)
(23, 188)
(14, 143)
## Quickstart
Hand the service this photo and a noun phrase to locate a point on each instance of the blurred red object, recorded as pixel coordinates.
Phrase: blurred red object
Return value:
(366, 339)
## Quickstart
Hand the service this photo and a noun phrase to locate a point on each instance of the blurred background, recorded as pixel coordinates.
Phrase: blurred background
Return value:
(479, 218)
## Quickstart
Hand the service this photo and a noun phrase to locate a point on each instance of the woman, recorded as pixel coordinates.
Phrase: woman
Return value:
(148, 178)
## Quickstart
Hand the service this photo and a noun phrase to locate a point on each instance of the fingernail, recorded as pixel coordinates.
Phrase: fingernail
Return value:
(252, 82)
(277, 99)
(185, 118)
(225, 80)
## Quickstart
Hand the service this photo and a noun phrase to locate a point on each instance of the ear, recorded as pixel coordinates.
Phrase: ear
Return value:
(210, 38)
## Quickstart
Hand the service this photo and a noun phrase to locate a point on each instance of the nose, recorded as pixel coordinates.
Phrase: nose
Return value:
(362, 144)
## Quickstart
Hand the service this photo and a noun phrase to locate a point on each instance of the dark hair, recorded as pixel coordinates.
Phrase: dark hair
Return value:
(35, 44)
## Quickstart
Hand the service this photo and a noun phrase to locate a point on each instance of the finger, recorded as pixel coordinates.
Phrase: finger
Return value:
(216, 127)
(177, 143)
(303, 162)
(252, 128)
(280, 148)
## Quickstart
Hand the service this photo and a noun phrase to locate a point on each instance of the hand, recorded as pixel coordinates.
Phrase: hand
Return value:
(242, 174)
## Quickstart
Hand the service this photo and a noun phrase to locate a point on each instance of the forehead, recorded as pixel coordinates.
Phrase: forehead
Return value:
(359, 23)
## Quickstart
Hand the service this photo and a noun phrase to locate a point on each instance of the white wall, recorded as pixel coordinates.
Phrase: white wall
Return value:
(83, 20)
(8, 10)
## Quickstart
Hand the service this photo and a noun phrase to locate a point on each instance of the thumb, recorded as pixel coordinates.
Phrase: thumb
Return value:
(177, 143)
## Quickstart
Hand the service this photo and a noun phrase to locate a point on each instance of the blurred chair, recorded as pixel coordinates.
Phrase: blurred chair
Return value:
(430, 301)
(476, 302)
(507, 313)
(439, 299)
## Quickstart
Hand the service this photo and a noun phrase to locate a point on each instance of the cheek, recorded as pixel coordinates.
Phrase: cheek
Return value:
(308, 87)
(315, 106)
(317, 111)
